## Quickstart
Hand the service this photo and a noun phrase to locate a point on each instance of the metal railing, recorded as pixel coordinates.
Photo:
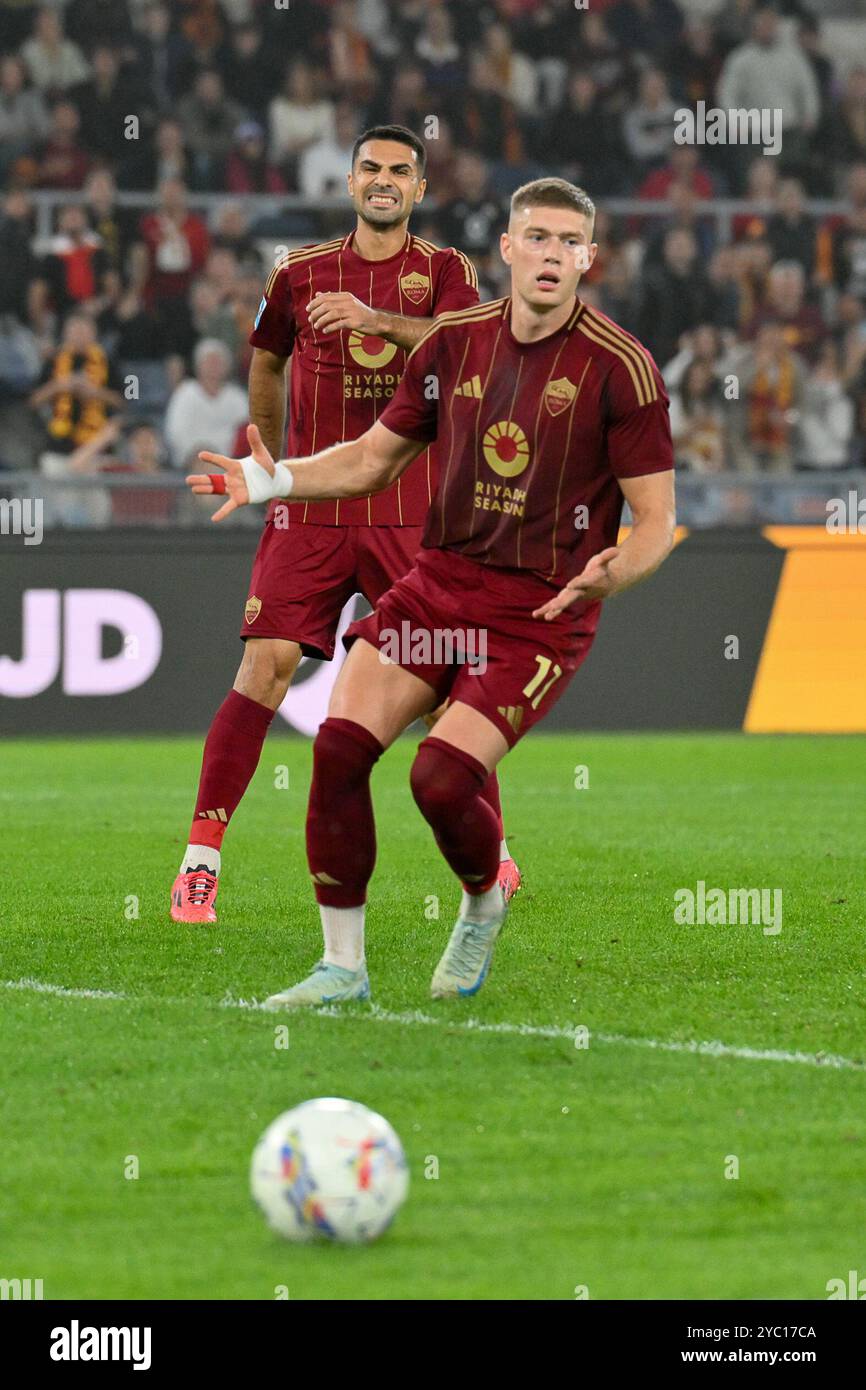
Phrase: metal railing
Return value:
(259, 205)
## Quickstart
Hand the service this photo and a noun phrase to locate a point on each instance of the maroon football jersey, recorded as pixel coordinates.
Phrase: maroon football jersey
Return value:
(532, 437)
(340, 382)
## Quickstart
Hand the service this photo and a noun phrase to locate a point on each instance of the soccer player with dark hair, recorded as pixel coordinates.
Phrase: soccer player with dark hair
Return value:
(347, 358)
(546, 416)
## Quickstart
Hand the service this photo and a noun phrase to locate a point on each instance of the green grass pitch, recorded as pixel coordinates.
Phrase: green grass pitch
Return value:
(559, 1168)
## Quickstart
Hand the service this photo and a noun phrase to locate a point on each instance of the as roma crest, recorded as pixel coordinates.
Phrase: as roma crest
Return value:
(252, 609)
(558, 395)
(415, 286)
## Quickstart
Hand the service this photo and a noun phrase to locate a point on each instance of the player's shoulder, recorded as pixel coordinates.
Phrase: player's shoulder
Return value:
(300, 258)
(459, 322)
(442, 256)
(631, 365)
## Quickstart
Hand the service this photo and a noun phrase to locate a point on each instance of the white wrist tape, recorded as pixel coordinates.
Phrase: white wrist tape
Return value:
(261, 486)
(283, 481)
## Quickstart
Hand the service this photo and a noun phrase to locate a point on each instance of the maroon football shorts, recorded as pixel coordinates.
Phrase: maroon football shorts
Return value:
(304, 574)
(467, 630)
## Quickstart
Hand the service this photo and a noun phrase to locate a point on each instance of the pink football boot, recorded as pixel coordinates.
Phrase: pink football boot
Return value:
(509, 878)
(193, 896)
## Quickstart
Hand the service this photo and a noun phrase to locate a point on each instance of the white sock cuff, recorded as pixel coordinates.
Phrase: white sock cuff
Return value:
(200, 854)
(343, 930)
(482, 907)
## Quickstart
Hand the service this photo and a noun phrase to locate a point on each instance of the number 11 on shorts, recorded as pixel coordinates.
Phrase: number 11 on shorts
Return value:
(542, 678)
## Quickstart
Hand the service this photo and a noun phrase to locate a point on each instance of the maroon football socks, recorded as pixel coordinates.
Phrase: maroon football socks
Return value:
(490, 793)
(341, 834)
(231, 755)
(447, 785)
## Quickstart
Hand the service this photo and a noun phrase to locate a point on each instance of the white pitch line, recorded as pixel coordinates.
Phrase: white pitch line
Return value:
(415, 1018)
(554, 1030)
(60, 991)
(749, 1054)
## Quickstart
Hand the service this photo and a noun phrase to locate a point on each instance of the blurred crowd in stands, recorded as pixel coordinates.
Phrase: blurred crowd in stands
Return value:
(758, 320)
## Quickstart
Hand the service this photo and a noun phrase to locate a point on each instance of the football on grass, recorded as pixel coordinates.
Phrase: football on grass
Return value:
(329, 1169)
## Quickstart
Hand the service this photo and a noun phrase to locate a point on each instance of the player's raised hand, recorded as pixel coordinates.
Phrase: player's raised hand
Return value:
(231, 480)
(332, 310)
(594, 581)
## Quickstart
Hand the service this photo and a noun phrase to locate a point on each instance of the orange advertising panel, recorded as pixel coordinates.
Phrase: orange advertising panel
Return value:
(811, 677)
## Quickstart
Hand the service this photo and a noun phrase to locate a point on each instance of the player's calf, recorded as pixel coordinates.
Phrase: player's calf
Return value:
(341, 852)
(231, 755)
(447, 784)
(266, 670)
(509, 874)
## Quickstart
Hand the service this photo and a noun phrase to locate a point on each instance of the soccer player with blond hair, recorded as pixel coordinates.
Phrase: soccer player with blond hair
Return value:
(547, 416)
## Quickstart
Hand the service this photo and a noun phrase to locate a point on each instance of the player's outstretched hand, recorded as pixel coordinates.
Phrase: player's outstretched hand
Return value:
(231, 481)
(595, 581)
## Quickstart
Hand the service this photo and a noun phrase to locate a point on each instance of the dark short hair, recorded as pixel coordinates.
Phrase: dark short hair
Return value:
(552, 193)
(401, 134)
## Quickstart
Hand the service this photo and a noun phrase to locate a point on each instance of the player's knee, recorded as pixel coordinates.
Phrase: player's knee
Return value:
(442, 781)
(266, 670)
(343, 753)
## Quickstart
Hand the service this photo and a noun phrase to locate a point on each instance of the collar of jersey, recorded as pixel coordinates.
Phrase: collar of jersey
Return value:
(348, 247)
(524, 347)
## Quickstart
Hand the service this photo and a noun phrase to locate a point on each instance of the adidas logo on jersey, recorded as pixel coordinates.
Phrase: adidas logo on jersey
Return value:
(513, 714)
(470, 388)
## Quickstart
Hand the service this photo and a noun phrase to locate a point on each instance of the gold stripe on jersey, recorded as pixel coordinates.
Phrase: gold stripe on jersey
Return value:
(399, 276)
(628, 362)
(400, 268)
(327, 248)
(468, 268)
(316, 391)
(478, 410)
(342, 350)
(427, 246)
(613, 331)
(474, 311)
(477, 313)
(287, 262)
(471, 272)
(633, 357)
(429, 250)
(342, 376)
(551, 376)
(373, 402)
(429, 254)
(446, 471)
(571, 415)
